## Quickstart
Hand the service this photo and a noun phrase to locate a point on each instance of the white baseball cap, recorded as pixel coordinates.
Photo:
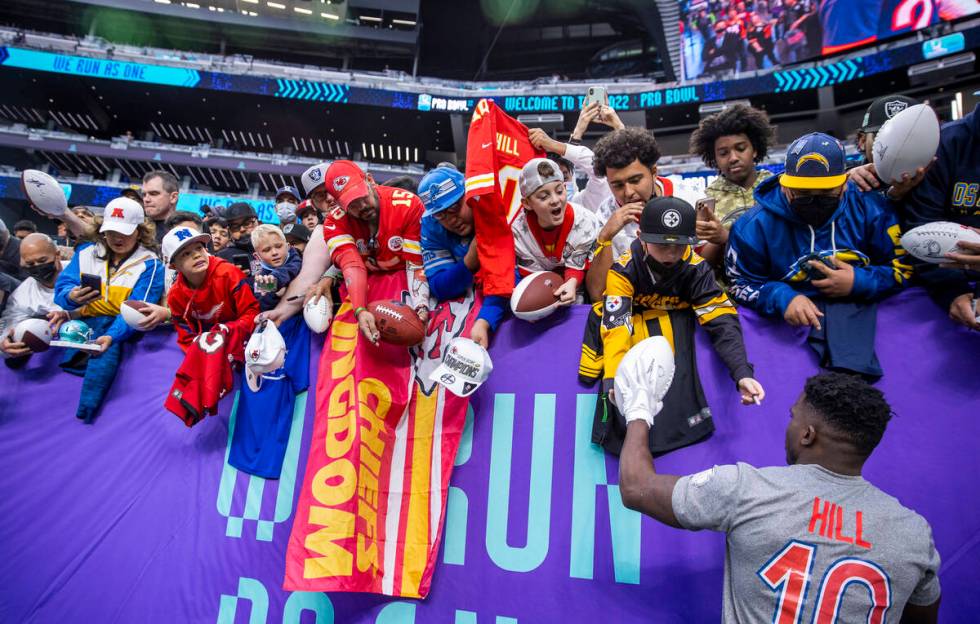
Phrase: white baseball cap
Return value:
(464, 368)
(531, 179)
(264, 353)
(178, 238)
(314, 177)
(122, 215)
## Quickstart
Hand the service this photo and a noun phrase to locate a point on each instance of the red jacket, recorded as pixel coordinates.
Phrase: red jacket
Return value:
(225, 297)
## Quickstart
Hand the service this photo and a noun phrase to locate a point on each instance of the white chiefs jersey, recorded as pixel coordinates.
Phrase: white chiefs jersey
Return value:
(573, 254)
(666, 188)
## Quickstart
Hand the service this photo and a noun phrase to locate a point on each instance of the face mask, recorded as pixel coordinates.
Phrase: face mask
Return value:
(814, 210)
(245, 243)
(660, 269)
(43, 273)
(286, 212)
(570, 190)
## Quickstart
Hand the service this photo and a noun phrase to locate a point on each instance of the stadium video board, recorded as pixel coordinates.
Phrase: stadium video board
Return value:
(723, 36)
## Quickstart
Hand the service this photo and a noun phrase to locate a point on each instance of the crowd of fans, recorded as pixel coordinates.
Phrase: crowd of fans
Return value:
(817, 246)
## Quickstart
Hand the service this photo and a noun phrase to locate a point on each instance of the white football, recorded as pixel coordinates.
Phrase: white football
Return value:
(132, 313)
(317, 314)
(43, 192)
(34, 333)
(907, 141)
(932, 241)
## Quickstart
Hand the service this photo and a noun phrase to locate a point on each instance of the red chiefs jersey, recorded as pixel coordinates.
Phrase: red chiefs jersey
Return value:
(207, 373)
(224, 297)
(397, 239)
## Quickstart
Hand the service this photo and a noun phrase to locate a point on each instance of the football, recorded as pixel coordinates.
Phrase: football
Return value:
(534, 297)
(133, 312)
(397, 323)
(932, 241)
(907, 141)
(34, 333)
(316, 313)
(43, 192)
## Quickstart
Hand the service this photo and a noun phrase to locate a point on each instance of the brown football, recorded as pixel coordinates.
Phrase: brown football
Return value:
(397, 323)
(534, 297)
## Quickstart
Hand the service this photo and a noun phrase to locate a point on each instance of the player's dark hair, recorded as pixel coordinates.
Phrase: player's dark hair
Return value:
(561, 161)
(168, 180)
(850, 405)
(217, 221)
(25, 225)
(737, 119)
(406, 183)
(620, 148)
(180, 217)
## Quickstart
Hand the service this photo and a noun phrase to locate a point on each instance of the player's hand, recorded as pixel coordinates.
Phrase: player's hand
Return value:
(480, 333)
(900, 188)
(751, 391)
(864, 176)
(368, 326)
(628, 213)
(320, 289)
(968, 258)
(154, 315)
(587, 115)
(540, 139)
(13, 349)
(56, 318)
(709, 228)
(105, 342)
(274, 315)
(837, 281)
(81, 295)
(801, 311)
(962, 311)
(472, 257)
(566, 292)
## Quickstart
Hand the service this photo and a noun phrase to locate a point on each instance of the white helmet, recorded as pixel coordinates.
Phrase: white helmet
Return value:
(643, 378)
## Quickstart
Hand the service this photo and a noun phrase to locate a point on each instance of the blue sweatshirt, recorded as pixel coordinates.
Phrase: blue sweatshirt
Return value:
(284, 274)
(448, 277)
(950, 191)
(769, 248)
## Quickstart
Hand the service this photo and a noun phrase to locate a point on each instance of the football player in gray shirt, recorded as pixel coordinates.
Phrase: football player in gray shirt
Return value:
(808, 542)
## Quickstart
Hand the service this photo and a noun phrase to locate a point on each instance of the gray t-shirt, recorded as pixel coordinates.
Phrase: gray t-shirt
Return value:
(837, 541)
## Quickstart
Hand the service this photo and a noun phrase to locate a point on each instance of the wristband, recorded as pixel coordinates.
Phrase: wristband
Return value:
(358, 310)
(600, 245)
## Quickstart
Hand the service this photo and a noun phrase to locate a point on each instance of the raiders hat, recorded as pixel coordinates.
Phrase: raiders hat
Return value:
(883, 109)
(668, 221)
(296, 231)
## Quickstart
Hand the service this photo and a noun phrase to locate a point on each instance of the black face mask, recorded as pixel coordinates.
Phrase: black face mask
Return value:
(43, 273)
(662, 270)
(814, 210)
(245, 244)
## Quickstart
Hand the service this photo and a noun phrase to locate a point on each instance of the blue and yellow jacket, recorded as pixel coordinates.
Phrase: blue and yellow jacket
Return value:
(769, 249)
(139, 277)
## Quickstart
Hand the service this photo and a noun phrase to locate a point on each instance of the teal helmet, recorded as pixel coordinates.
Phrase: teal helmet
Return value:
(75, 331)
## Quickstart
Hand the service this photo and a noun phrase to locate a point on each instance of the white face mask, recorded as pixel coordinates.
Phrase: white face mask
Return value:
(570, 189)
(286, 212)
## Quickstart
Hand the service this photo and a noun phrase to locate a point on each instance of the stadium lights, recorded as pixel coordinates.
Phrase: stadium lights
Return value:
(162, 1)
(330, 16)
(275, 5)
(369, 18)
(403, 22)
(191, 5)
(251, 1)
(303, 11)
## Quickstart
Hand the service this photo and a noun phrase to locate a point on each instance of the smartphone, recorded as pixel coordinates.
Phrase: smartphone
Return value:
(243, 262)
(92, 281)
(596, 94)
(705, 207)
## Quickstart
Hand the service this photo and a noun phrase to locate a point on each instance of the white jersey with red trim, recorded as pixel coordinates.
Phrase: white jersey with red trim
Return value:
(395, 244)
(575, 252)
(667, 188)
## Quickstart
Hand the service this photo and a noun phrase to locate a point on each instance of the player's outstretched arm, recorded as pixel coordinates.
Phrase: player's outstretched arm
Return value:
(916, 614)
(641, 487)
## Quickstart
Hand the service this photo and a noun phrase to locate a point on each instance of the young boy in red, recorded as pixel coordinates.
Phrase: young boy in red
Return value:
(213, 311)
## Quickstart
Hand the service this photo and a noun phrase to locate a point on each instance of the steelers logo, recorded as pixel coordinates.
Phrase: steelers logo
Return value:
(613, 304)
(671, 218)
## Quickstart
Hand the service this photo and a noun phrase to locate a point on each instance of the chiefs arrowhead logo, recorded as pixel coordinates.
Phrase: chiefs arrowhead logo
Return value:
(340, 182)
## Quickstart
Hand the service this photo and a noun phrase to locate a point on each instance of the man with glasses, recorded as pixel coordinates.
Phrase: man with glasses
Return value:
(449, 248)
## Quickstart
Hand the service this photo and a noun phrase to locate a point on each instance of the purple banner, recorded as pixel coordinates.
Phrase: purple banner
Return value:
(138, 519)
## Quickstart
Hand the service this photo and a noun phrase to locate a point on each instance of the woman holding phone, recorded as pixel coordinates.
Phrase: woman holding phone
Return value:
(120, 264)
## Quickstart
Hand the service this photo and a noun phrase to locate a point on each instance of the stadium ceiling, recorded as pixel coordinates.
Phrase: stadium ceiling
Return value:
(460, 40)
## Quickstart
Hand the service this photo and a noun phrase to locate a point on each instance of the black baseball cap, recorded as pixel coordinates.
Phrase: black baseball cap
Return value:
(883, 109)
(668, 221)
(239, 210)
(297, 231)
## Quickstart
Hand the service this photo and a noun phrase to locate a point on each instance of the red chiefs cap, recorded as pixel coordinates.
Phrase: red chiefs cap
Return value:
(346, 182)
